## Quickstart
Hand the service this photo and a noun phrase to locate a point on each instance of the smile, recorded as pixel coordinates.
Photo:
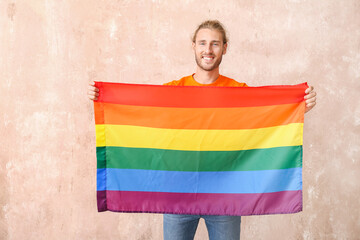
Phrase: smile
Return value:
(208, 58)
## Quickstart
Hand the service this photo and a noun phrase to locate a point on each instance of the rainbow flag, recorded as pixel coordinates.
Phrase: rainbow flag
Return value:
(199, 150)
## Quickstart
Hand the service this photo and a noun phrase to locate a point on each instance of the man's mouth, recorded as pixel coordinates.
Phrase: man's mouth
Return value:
(208, 58)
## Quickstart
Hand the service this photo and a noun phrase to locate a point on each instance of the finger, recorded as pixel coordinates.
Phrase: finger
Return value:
(311, 105)
(311, 100)
(94, 89)
(309, 89)
(92, 97)
(92, 93)
(310, 95)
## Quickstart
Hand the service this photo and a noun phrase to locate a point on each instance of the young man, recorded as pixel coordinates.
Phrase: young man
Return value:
(209, 45)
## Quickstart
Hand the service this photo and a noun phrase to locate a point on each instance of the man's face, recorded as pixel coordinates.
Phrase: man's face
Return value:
(209, 48)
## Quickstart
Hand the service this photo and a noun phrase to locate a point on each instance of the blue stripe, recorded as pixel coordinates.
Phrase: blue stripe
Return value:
(200, 182)
(101, 178)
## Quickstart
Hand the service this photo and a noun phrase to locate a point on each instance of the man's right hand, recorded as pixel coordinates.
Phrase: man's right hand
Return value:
(93, 92)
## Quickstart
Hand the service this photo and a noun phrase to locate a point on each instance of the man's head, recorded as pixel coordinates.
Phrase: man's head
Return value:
(209, 44)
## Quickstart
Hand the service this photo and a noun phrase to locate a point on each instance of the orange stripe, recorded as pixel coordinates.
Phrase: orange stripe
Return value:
(200, 118)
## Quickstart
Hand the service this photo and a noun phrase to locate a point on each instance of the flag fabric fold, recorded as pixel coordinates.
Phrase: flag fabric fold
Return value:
(199, 150)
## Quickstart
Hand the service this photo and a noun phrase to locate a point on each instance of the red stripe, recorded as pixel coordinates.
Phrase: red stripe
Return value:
(201, 203)
(199, 97)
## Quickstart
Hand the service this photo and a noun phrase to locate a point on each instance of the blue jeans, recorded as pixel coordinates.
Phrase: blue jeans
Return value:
(183, 227)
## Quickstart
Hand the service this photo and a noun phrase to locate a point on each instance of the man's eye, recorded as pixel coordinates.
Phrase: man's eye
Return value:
(202, 43)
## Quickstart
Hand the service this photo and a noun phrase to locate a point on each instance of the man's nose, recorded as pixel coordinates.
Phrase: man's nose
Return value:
(208, 48)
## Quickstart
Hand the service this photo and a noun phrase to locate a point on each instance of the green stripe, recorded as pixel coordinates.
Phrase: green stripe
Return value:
(175, 160)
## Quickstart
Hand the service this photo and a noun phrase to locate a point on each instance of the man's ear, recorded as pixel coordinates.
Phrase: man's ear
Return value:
(193, 46)
(225, 48)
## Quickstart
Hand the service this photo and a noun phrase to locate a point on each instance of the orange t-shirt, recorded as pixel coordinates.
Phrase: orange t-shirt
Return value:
(221, 81)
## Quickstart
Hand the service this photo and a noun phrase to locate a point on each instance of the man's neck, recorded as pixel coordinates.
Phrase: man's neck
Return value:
(206, 77)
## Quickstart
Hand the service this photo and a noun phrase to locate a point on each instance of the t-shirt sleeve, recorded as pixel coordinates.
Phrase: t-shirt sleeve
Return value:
(172, 83)
(168, 83)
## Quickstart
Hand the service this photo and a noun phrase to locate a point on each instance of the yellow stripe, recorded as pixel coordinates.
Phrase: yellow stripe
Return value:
(100, 135)
(199, 140)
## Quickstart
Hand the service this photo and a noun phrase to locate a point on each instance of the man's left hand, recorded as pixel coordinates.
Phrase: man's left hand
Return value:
(310, 98)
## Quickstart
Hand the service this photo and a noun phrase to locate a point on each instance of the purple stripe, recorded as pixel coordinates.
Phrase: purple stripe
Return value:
(101, 201)
(201, 203)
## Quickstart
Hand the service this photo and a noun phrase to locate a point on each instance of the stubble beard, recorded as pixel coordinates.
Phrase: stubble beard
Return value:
(208, 68)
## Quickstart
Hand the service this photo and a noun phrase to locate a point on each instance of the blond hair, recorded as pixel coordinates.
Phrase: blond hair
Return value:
(213, 25)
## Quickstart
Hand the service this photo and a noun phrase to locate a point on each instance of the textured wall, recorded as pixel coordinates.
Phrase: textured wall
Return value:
(51, 49)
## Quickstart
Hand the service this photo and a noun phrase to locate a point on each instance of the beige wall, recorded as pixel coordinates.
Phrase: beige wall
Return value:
(50, 49)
